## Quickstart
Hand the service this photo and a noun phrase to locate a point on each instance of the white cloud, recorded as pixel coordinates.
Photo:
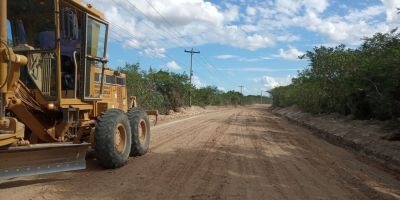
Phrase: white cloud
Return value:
(251, 11)
(196, 81)
(178, 23)
(266, 58)
(289, 7)
(238, 58)
(250, 28)
(349, 28)
(231, 13)
(256, 41)
(391, 10)
(173, 65)
(154, 52)
(293, 7)
(258, 26)
(255, 69)
(131, 43)
(316, 5)
(243, 59)
(225, 57)
(365, 14)
(272, 82)
(269, 82)
(181, 12)
(287, 38)
(290, 54)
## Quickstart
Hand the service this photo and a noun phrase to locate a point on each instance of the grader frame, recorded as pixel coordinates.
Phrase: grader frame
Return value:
(58, 97)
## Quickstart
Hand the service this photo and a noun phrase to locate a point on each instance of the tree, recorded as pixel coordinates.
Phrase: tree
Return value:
(363, 82)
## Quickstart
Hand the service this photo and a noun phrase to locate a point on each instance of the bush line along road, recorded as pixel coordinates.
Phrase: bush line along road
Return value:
(235, 153)
(362, 82)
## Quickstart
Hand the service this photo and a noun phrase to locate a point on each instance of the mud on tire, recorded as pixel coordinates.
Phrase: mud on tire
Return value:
(113, 138)
(140, 125)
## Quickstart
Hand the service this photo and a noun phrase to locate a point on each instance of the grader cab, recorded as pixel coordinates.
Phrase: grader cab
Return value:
(58, 97)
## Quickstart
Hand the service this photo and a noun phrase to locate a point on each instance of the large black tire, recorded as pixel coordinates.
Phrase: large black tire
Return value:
(140, 125)
(113, 138)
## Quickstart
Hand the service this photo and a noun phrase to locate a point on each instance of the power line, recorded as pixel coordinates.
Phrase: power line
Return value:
(211, 68)
(207, 64)
(121, 31)
(146, 16)
(164, 19)
(167, 22)
(210, 74)
(118, 29)
(191, 72)
(151, 27)
(143, 21)
(241, 89)
(261, 96)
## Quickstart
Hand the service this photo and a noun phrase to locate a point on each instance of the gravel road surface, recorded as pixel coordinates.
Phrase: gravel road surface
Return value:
(236, 153)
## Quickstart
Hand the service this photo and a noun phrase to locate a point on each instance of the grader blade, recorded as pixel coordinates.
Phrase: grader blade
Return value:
(41, 159)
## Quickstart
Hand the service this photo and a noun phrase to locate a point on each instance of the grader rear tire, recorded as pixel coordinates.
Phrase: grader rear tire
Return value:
(140, 125)
(113, 139)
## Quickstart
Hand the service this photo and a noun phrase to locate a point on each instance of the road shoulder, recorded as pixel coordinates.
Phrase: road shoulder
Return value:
(364, 137)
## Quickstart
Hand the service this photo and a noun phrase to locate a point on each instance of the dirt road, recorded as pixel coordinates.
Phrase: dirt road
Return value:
(243, 153)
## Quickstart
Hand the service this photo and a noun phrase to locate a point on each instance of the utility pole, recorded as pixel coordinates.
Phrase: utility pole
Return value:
(191, 73)
(261, 97)
(241, 89)
(241, 92)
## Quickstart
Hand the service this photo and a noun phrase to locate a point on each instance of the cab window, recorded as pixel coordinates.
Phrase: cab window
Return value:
(96, 38)
(34, 24)
(9, 34)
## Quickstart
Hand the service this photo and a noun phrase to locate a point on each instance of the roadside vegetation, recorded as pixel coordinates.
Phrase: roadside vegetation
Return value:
(363, 82)
(164, 90)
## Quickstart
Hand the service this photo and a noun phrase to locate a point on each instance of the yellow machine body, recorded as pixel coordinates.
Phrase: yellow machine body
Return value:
(55, 78)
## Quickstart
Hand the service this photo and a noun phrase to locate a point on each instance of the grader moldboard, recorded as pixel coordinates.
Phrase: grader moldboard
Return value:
(58, 97)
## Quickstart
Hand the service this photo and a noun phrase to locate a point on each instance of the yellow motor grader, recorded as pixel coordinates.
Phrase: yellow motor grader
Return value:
(58, 97)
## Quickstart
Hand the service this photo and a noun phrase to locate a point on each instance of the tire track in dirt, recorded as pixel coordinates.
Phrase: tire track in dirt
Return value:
(188, 129)
(202, 156)
(196, 153)
(181, 134)
(266, 164)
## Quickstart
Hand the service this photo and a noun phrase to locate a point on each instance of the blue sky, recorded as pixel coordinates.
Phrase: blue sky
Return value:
(251, 43)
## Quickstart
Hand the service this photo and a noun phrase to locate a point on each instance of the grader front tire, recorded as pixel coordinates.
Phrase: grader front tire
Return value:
(113, 139)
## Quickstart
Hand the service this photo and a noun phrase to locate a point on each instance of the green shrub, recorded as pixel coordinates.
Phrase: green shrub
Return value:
(363, 82)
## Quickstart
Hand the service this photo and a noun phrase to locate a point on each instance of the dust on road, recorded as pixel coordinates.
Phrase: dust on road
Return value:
(242, 153)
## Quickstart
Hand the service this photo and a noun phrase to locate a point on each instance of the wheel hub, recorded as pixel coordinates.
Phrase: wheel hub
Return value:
(120, 138)
(142, 132)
